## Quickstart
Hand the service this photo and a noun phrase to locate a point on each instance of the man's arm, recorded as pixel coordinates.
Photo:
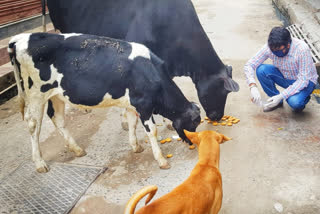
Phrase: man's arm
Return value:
(304, 76)
(253, 63)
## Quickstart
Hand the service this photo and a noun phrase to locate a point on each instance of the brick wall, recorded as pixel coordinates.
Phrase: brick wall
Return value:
(14, 10)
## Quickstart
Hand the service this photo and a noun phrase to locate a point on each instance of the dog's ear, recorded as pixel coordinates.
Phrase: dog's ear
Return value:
(192, 136)
(224, 138)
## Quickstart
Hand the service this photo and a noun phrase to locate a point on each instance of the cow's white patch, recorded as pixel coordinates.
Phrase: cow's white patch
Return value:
(152, 134)
(132, 125)
(22, 42)
(139, 50)
(55, 75)
(67, 35)
(123, 101)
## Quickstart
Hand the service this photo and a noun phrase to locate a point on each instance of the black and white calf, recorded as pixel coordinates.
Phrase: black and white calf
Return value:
(90, 72)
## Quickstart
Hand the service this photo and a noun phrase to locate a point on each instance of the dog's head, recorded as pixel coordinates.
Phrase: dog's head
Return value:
(197, 137)
(189, 120)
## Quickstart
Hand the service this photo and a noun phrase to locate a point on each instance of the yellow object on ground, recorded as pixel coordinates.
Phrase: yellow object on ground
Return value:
(316, 91)
(192, 147)
(168, 139)
(169, 155)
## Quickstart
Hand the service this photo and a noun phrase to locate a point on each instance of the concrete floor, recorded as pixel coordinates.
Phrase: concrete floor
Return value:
(262, 167)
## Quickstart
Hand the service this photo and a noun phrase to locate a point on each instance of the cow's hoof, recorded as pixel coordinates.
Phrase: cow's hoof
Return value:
(165, 166)
(139, 149)
(125, 126)
(42, 167)
(80, 153)
(170, 127)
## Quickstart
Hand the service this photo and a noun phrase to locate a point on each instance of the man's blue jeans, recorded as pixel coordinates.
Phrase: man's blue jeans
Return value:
(269, 75)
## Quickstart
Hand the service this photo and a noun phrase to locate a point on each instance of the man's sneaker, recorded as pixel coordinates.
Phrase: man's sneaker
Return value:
(268, 109)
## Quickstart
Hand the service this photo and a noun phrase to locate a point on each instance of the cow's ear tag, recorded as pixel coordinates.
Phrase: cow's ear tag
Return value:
(231, 85)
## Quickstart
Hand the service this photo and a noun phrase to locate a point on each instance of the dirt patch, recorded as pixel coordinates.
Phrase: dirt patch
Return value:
(81, 125)
(96, 205)
(127, 168)
(265, 119)
(9, 108)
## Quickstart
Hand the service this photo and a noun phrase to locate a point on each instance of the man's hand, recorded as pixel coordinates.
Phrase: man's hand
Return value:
(255, 95)
(274, 101)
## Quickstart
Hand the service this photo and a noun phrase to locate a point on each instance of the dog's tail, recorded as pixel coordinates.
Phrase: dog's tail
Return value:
(134, 200)
(16, 71)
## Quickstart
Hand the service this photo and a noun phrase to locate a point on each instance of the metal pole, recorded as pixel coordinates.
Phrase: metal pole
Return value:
(44, 25)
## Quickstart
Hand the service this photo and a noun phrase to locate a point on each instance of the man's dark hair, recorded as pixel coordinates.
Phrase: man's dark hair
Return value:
(278, 36)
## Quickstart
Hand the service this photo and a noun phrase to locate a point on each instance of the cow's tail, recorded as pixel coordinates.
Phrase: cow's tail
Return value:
(16, 71)
(134, 200)
(44, 26)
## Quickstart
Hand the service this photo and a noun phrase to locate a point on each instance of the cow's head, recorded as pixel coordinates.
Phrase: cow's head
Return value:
(213, 91)
(189, 120)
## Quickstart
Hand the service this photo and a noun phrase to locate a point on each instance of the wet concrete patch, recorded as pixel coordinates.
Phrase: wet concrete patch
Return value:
(81, 125)
(96, 205)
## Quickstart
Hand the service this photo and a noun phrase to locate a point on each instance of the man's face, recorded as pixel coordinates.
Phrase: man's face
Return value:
(281, 51)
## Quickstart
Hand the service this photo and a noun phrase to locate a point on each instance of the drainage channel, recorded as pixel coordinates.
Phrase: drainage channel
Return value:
(282, 17)
(297, 32)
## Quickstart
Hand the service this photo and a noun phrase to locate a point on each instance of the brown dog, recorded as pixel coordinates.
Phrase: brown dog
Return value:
(201, 193)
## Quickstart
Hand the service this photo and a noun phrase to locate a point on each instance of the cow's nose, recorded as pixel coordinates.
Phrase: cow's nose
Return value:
(215, 116)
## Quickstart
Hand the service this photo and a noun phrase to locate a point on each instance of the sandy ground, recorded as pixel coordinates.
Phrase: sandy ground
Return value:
(261, 167)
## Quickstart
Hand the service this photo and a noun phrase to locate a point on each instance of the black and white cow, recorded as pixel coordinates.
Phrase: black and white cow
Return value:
(91, 71)
(169, 28)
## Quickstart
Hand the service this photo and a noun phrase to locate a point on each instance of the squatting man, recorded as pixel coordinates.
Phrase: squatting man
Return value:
(292, 69)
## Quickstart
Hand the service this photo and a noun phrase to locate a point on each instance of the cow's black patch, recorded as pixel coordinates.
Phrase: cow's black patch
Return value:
(11, 45)
(101, 67)
(50, 110)
(147, 128)
(42, 48)
(30, 82)
(47, 87)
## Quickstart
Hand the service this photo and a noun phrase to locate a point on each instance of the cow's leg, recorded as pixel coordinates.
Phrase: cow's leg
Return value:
(132, 119)
(124, 120)
(56, 111)
(151, 130)
(34, 115)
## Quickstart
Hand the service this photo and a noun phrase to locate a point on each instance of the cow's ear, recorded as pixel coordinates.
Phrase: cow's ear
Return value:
(231, 85)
